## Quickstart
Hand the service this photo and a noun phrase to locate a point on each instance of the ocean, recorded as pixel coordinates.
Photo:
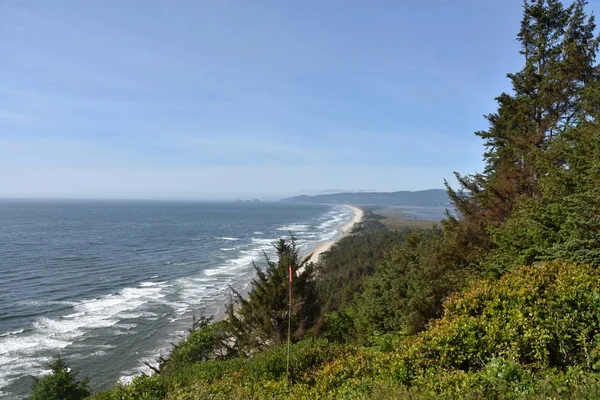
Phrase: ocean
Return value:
(109, 285)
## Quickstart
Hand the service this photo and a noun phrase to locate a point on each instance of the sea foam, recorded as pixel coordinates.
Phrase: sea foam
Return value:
(28, 351)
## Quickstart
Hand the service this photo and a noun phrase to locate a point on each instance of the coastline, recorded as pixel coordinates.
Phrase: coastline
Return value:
(314, 254)
(156, 285)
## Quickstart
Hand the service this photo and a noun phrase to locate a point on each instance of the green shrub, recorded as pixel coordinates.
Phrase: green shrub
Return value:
(210, 341)
(306, 357)
(542, 316)
(141, 388)
(60, 385)
(337, 327)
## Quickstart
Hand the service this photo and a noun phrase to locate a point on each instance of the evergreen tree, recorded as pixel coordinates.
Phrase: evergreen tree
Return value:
(60, 385)
(551, 97)
(342, 270)
(408, 287)
(261, 320)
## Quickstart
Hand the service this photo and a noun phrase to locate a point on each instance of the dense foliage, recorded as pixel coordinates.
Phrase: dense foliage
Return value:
(60, 384)
(533, 333)
(545, 316)
(341, 270)
(407, 287)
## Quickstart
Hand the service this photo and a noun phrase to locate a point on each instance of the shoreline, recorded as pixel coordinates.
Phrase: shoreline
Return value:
(315, 253)
(172, 325)
(311, 256)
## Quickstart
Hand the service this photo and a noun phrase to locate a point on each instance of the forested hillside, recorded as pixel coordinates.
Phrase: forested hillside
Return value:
(500, 301)
(422, 198)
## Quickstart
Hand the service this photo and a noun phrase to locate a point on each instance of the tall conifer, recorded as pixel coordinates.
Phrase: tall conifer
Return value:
(261, 320)
(550, 96)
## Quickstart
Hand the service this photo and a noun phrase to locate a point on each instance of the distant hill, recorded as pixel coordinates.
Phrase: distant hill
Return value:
(423, 198)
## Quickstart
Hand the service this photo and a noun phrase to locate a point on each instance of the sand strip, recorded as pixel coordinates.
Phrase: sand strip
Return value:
(345, 229)
(314, 253)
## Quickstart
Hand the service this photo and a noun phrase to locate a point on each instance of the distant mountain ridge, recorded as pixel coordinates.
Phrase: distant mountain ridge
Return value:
(423, 198)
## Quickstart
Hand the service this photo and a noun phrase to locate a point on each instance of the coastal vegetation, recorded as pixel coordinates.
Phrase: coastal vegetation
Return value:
(500, 301)
(60, 384)
(421, 198)
(263, 319)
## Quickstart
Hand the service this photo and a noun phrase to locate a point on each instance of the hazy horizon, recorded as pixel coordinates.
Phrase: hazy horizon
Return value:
(215, 198)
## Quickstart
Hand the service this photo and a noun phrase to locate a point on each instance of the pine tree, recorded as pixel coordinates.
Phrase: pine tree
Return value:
(60, 385)
(551, 96)
(261, 320)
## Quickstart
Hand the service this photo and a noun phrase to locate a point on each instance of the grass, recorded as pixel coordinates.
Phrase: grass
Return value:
(395, 218)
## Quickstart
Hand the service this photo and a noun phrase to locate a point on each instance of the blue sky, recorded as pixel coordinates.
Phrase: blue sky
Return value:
(228, 99)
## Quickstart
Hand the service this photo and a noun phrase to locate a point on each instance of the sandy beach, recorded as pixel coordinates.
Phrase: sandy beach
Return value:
(313, 253)
(345, 229)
